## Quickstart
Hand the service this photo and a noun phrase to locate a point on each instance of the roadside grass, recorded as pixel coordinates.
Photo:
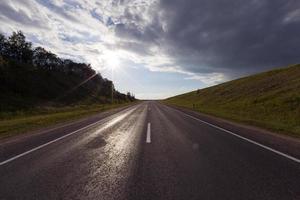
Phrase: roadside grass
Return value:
(23, 121)
(269, 100)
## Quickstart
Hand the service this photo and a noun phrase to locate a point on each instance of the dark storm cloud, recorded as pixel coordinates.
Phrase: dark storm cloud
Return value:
(231, 37)
(234, 34)
(133, 28)
(228, 36)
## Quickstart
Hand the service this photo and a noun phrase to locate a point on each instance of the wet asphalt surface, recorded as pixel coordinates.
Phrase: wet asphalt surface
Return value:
(186, 159)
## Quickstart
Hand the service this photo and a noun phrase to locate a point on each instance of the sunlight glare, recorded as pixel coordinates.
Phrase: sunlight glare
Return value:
(112, 60)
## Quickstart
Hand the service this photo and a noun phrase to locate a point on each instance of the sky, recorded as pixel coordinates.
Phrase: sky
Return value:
(160, 48)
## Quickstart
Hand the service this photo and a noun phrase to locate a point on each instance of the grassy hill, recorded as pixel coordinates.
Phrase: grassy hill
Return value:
(270, 100)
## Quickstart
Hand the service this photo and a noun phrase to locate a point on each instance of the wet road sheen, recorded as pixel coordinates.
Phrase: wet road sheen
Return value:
(92, 164)
(148, 151)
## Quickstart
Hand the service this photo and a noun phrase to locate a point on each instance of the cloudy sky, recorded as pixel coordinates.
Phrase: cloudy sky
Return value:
(159, 48)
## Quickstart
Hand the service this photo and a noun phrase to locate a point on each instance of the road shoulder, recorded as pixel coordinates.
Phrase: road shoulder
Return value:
(283, 143)
(36, 126)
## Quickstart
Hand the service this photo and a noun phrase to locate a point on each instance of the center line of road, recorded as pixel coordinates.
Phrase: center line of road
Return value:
(148, 139)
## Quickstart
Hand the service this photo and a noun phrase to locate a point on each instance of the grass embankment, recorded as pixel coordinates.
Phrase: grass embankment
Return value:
(270, 100)
(14, 123)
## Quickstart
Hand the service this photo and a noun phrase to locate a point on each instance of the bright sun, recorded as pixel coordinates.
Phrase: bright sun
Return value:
(112, 60)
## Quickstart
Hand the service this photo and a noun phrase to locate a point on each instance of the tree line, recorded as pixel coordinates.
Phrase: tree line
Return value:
(32, 77)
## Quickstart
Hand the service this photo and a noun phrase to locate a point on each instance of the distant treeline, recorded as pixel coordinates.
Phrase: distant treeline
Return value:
(31, 77)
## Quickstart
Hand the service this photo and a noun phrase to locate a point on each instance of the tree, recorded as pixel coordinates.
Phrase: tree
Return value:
(3, 46)
(66, 65)
(40, 57)
(46, 59)
(19, 48)
(32, 77)
(130, 96)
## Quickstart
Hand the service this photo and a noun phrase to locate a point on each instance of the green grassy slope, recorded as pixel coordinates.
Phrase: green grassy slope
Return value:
(24, 121)
(270, 100)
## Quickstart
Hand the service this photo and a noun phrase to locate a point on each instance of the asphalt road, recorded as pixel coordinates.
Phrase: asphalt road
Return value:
(146, 151)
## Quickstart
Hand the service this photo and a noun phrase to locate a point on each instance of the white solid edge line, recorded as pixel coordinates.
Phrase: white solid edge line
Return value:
(46, 144)
(246, 139)
(148, 139)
